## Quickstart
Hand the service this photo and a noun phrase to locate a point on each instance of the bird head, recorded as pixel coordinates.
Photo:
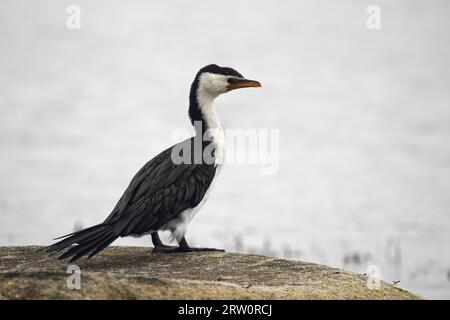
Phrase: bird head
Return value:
(210, 82)
(214, 80)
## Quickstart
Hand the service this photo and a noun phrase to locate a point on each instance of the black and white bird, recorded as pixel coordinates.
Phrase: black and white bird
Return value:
(173, 186)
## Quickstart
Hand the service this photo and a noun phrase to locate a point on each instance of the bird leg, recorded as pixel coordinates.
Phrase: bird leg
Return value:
(184, 247)
(159, 246)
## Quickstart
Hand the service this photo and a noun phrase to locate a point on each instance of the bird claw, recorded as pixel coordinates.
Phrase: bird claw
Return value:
(174, 249)
(166, 249)
(180, 249)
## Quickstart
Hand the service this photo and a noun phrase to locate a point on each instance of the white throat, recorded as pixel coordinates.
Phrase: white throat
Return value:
(215, 133)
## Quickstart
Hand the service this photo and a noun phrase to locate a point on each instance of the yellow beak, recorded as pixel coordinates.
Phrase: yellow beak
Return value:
(243, 83)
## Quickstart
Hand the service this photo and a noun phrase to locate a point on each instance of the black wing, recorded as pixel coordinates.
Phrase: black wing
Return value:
(159, 192)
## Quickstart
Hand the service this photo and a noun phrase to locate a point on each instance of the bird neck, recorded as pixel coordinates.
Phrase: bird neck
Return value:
(202, 111)
(205, 121)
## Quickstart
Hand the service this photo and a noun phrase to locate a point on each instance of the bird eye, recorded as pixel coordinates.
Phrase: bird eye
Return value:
(231, 80)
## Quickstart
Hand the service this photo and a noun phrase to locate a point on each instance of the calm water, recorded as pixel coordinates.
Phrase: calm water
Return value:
(364, 120)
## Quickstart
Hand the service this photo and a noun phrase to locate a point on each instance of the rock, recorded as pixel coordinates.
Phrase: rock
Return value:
(137, 273)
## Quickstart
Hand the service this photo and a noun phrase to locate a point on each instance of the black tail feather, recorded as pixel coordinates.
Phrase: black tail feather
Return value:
(83, 246)
(75, 238)
(105, 243)
(84, 249)
(88, 241)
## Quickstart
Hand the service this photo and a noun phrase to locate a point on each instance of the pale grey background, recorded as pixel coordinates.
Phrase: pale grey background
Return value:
(364, 120)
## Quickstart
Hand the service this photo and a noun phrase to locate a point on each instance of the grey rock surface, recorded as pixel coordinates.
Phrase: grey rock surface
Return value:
(137, 273)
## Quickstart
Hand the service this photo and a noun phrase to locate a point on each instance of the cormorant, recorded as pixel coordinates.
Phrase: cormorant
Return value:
(167, 192)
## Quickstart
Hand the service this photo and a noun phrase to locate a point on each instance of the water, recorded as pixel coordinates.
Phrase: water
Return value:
(364, 120)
